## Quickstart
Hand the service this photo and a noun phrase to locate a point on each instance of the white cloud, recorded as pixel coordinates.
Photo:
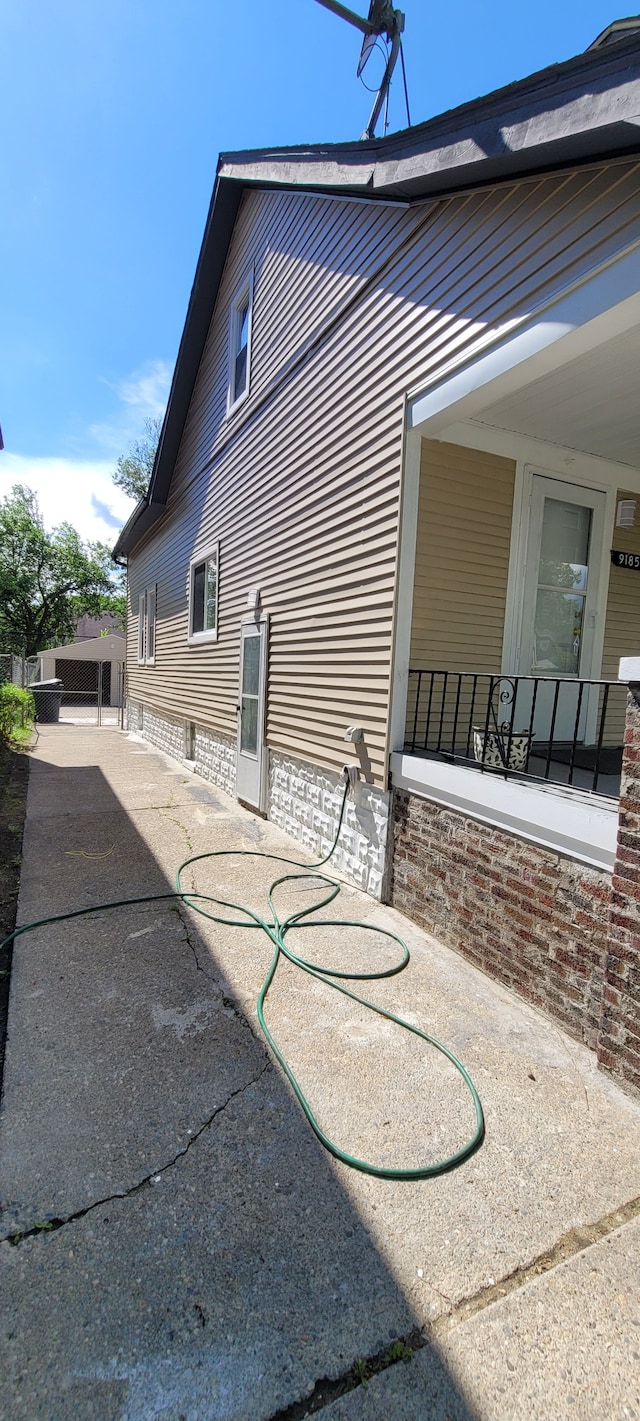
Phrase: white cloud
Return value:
(70, 491)
(80, 491)
(141, 395)
(147, 389)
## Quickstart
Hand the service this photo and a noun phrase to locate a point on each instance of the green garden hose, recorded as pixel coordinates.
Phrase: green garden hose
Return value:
(276, 931)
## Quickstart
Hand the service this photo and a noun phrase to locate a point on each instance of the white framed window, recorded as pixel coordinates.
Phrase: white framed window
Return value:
(203, 596)
(240, 345)
(147, 602)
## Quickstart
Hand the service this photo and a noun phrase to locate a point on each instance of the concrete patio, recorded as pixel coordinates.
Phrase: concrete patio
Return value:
(204, 1257)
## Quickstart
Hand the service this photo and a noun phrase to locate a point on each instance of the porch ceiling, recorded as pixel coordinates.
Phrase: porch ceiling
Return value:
(592, 404)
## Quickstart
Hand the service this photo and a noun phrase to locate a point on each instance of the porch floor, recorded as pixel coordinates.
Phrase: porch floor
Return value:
(608, 785)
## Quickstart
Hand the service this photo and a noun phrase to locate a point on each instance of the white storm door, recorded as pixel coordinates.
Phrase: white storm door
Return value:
(560, 602)
(250, 777)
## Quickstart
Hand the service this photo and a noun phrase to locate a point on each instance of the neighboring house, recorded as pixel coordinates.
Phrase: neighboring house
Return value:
(402, 438)
(89, 627)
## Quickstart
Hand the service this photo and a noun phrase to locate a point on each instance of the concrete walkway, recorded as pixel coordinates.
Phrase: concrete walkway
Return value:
(207, 1259)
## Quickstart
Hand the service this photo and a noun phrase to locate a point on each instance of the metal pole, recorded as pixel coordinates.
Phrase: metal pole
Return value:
(370, 130)
(384, 20)
(364, 25)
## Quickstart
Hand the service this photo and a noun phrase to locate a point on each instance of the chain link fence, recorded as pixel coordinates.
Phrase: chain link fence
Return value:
(92, 692)
(20, 670)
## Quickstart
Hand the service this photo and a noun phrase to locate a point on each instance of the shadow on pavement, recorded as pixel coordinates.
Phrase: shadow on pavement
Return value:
(204, 1260)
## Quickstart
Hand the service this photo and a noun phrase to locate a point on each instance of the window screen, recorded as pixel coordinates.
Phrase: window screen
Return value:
(204, 595)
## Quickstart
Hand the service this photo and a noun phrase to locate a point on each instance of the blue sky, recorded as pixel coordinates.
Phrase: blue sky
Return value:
(113, 113)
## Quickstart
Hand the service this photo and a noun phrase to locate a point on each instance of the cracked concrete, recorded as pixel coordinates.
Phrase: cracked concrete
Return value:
(188, 937)
(52, 1224)
(208, 1259)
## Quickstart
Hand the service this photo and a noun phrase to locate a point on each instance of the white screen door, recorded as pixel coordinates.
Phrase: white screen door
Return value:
(250, 776)
(560, 600)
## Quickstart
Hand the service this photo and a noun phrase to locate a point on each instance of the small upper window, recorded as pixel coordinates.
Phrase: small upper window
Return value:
(240, 346)
(203, 600)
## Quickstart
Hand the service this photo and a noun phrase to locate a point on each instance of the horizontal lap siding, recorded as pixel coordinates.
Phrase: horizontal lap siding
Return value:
(460, 586)
(352, 307)
(462, 558)
(622, 628)
(285, 244)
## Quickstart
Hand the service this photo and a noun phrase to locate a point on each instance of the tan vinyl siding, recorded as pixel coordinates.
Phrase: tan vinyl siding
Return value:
(462, 558)
(462, 565)
(622, 627)
(353, 307)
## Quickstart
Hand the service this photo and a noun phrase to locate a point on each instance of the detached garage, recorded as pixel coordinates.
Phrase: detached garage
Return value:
(92, 676)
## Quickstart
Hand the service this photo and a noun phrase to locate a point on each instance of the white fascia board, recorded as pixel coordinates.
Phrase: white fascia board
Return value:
(598, 308)
(564, 821)
(108, 648)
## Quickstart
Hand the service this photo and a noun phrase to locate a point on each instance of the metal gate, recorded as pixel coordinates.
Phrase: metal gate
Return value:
(93, 692)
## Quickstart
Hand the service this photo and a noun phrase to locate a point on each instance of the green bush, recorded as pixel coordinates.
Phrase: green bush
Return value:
(17, 712)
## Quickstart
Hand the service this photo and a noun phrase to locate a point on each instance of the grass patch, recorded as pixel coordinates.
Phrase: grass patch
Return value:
(17, 715)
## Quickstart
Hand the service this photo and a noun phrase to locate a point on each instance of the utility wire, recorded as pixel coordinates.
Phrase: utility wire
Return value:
(404, 80)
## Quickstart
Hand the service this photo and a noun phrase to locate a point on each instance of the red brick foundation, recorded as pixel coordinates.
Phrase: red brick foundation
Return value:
(565, 936)
(533, 919)
(619, 1039)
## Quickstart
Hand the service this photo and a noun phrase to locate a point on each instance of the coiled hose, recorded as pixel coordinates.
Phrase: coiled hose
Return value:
(276, 931)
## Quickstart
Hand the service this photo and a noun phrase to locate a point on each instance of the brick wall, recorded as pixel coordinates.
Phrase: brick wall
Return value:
(526, 915)
(134, 717)
(305, 801)
(167, 734)
(619, 1042)
(215, 758)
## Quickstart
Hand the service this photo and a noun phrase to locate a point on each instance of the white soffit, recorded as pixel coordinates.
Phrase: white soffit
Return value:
(592, 404)
(598, 312)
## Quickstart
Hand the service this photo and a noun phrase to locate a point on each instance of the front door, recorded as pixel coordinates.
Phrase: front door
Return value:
(250, 778)
(560, 602)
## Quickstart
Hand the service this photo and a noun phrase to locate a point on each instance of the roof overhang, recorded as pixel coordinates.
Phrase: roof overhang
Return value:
(584, 110)
(581, 319)
(111, 647)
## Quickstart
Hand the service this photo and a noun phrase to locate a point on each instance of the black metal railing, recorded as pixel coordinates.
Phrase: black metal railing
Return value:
(559, 730)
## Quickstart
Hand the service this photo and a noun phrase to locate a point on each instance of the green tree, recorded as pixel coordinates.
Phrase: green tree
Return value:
(115, 600)
(47, 580)
(133, 470)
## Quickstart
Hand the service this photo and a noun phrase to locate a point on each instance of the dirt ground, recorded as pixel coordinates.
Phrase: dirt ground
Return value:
(14, 778)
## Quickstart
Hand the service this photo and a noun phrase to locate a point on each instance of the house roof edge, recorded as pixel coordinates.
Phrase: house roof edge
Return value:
(559, 116)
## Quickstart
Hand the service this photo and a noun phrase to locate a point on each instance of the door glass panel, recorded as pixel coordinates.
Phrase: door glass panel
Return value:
(249, 725)
(561, 589)
(249, 694)
(565, 545)
(250, 665)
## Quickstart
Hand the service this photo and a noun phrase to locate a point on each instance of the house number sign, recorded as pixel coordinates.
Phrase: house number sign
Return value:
(631, 561)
